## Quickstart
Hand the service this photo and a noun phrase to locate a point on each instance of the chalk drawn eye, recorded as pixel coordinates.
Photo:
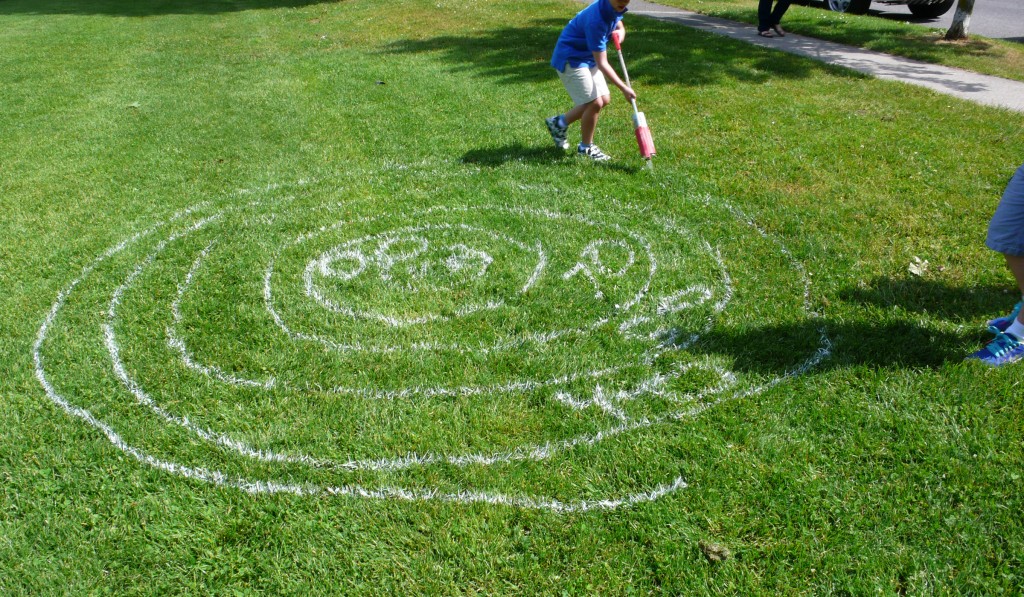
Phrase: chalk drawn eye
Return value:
(343, 264)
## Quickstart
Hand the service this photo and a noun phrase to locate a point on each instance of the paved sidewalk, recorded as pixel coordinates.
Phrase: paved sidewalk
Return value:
(983, 89)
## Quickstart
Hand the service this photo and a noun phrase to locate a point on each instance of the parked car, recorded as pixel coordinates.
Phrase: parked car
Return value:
(926, 9)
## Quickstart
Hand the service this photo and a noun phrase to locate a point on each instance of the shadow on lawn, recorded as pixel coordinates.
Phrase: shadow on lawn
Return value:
(895, 342)
(143, 8)
(494, 157)
(658, 54)
(935, 298)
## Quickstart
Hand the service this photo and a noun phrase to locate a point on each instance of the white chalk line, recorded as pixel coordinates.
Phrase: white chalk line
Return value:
(394, 321)
(407, 461)
(535, 452)
(143, 398)
(456, 347)
(262, 487)
(463, 391)
(391, 464)
(531, 452)
(176, 342)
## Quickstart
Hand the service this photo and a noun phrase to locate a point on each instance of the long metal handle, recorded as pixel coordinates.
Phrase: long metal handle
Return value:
(625, 73)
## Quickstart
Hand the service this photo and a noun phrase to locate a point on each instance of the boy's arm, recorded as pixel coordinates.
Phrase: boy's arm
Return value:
(609, 73)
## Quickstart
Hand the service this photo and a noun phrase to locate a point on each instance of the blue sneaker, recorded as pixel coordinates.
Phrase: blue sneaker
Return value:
(558, 132)
(1005, 349)
(999, 324)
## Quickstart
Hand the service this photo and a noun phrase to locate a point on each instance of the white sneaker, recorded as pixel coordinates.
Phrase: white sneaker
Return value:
(593, 152)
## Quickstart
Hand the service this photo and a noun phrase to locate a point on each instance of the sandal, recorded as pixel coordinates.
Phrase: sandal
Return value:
(765, 34)
(779, 31)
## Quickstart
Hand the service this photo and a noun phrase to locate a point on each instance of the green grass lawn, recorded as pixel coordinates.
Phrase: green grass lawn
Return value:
(911, 39)
(300, 299)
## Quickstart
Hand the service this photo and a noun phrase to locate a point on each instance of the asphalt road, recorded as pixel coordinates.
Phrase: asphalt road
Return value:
(1000, 19)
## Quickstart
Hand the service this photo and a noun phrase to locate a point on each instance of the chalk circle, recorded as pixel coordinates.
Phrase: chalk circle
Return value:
(534, 279)
(621, 277)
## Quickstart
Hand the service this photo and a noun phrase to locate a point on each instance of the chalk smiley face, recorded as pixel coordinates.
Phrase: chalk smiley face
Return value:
(647, 286)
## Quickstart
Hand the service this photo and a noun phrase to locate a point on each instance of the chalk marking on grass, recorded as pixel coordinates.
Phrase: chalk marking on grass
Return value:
(532, 452)
(655, 386)
(386, 262)
(531, 337)
(535, 452)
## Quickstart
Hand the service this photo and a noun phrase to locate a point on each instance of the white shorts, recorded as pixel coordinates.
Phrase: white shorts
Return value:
(583, 84)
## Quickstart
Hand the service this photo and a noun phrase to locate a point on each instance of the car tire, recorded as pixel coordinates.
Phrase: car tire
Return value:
(931, 11)
(855, 7)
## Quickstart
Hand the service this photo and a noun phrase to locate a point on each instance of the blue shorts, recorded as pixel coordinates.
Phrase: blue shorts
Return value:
(1006, 230)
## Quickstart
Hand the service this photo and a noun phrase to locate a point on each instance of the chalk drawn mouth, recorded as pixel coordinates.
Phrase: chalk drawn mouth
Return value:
(449, 249)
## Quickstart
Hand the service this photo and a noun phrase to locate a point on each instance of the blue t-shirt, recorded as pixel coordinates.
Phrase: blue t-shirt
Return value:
(586, 33)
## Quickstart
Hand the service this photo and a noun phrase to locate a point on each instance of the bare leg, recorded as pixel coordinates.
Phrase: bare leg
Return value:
(573, 115)
(1016, 265)
(587, 114)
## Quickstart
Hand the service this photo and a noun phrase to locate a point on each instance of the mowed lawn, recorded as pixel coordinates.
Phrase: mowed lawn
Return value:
(298, 297)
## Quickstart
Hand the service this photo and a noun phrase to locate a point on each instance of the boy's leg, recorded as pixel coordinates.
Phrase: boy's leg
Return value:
(588, 115)
(588, 123)
(589, 93)
(1016, 265)
(1002, 324)
(1006, 236)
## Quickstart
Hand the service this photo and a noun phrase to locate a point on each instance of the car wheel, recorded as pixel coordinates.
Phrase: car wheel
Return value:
(856, 7)
(931, 11)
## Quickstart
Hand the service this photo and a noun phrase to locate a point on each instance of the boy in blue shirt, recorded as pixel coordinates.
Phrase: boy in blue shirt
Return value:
(581, 59)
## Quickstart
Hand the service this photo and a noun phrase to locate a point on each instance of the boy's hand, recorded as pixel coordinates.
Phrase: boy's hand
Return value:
(619, 36)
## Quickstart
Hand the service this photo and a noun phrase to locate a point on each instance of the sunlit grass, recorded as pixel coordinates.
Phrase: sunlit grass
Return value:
(794, 194)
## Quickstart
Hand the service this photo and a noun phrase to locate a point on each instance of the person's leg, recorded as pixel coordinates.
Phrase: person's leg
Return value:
(577, 112)
(588, 119)
(780, 9)
(589, 111)
(764, 15)
(1016, 265)
(586, 87)
(1006, 235)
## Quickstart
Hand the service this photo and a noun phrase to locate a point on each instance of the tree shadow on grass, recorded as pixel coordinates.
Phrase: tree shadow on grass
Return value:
(143, 8)
(658, 53)
(936, 298)
(782, 349)
(894, 340)
(493, 157)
